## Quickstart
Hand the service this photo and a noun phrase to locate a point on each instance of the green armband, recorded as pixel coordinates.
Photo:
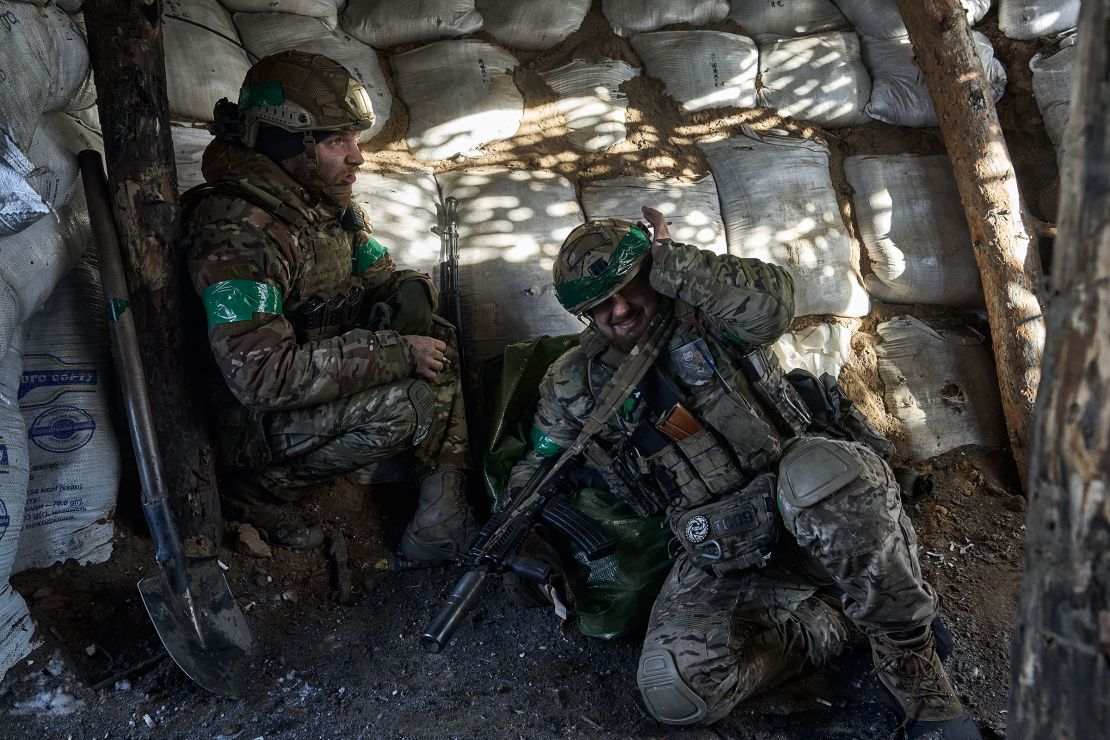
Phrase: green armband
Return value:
(229, 301)
(366, 255)
(543, 445)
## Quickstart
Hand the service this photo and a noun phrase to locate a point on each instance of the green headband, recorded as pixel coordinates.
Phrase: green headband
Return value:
(576, 293)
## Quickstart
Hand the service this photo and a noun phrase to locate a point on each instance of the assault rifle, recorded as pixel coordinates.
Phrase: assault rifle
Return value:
(450, 290)
(496, 549)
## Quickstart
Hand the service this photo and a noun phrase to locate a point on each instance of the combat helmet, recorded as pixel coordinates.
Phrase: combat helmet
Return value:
(596, 260)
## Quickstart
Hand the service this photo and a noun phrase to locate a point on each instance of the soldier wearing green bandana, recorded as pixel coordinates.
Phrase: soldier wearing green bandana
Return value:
(792, 543)
(330, 360)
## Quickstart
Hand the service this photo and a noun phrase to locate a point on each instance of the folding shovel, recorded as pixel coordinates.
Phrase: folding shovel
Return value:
(189, 601)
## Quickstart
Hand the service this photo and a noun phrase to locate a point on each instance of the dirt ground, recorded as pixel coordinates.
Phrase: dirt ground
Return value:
(325, 669)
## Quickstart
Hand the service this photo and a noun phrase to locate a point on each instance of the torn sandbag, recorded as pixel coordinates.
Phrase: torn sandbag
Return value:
(460, 96)
(701, 69)
(898, 92)
(189, 144)
(268, 33)
(16, 628)
(764, 20)
(325, 10)
(511, 225)
(591, 101)
(692, 208)
(1030, 19)
(912, 223)
(942, 387)
(402, 209)
(204, 60)
(1052, 89)
(628, 17)
(385, 23)
(779, 205)
(882, 19)
(65, 395)
(45, 62)
(531, 24)
(817, 78)
(823, 348)
(20, 204)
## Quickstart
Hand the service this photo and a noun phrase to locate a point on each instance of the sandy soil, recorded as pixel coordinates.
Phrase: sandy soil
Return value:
(323, 668)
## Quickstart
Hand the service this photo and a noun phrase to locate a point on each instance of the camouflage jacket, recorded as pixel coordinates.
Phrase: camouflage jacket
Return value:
(732, 305)
(260, 248)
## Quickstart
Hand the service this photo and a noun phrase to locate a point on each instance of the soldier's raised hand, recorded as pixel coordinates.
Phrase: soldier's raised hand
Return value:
(429, 354)
(659, 229)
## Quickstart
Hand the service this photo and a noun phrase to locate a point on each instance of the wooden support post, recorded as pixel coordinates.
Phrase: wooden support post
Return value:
(1008, 261)
(125, 47)
(1060, 680)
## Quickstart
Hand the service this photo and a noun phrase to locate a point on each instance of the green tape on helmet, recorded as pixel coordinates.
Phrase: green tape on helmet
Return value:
(625, 258)
(229, 301)
(367, 254)
(543, 445)
(262, 93)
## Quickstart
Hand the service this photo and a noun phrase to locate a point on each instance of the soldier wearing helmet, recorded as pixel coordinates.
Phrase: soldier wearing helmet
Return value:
(791, 539)
(330, 360)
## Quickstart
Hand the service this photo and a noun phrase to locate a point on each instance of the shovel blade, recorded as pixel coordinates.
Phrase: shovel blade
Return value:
(201, 626)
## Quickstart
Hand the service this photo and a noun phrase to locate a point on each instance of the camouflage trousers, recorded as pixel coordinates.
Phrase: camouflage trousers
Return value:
(713, 642)
(370, 431)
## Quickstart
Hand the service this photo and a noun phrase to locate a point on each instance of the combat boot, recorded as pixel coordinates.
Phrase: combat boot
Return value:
(911, 671)
(246, 501)
(443, 525)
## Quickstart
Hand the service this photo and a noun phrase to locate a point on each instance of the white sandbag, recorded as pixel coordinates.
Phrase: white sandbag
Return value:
(16, 627)
(55, 162)
(702, 69)
(823, 348)
(201, 65)
(941, 385)
(779, 205)
(188, 152)
(43, 63)
(326, 10)
(385, 23)
(512, 223)
(34, 260)
(767, 18)
(64, 396)
(691, 208)
(20, 204)
(881, 18)
(591, 101)
(531, 24)
(269, 33)
(402, 210)
(460, 96)
(913, 226)
(1052, 89)
(628, 17)
(1030, 19)
(818, 78)
(898, 91)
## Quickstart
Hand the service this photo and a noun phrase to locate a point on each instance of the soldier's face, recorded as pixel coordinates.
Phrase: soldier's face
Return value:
(623, 317)
(338, 159)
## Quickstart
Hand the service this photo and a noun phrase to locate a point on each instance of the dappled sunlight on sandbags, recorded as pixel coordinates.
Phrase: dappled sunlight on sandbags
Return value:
(898, 91)
(188, 150)
(269, 33)
(881, 18)
(201, 66)
(326, 10)
(823, 348)
(913, 226)
(1030, 19)
(591, 101)
(512, 223)
(1052, 77)
(692, 208)
(402, 210)
(763, 19)
(636, 16)
(531, 24)
(385, 23)
(460, 96)
(779, 205)
(818, 78)
(701, 69)
(942, 387)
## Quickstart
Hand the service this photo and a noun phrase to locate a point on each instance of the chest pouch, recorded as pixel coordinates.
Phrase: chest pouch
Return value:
(774, 391)
(733, 533)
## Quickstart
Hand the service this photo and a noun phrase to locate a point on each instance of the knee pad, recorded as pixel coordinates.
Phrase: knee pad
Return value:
(665, 694)
(814, 470)
(423, 403)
